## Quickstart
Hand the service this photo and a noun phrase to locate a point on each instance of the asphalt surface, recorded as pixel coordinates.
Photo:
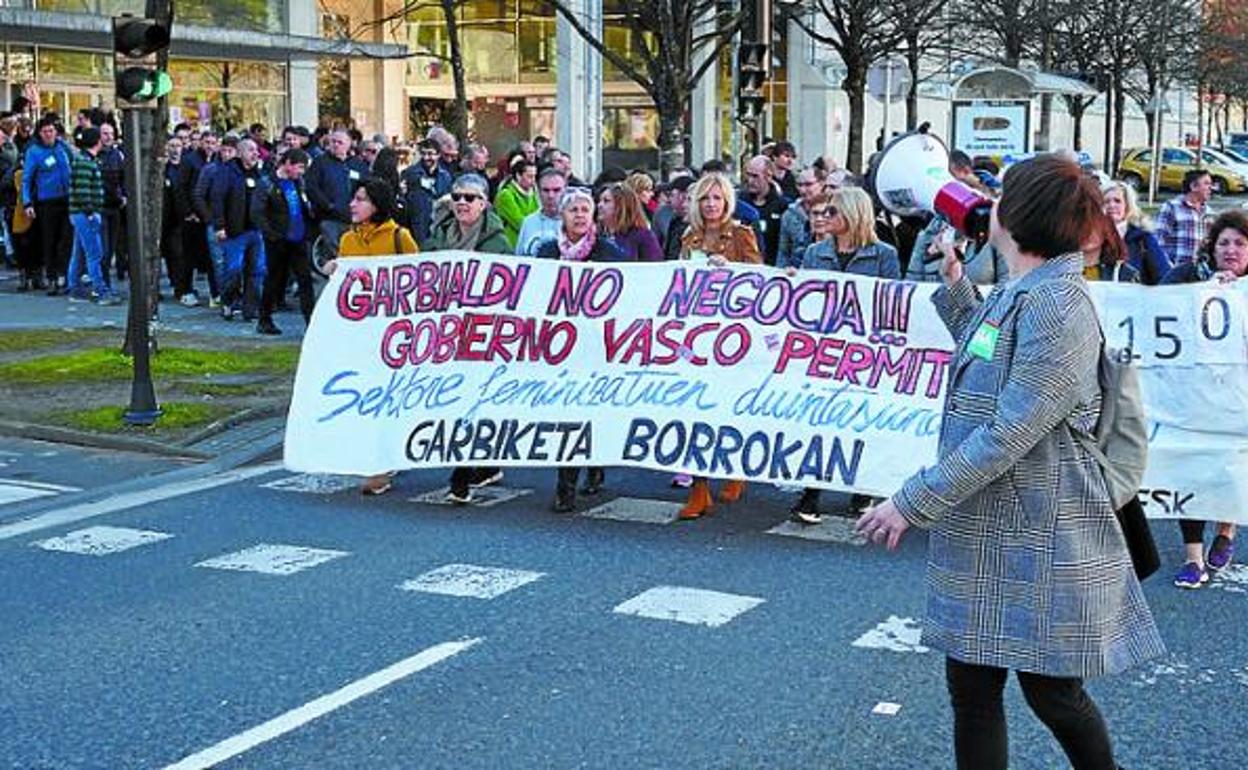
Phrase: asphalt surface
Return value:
(140, 658)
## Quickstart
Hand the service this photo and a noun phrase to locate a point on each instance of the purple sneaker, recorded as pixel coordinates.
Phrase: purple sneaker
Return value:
(1191, 576)
(1220, 553)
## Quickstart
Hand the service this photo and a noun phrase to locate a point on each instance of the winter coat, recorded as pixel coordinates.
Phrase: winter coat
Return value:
(736, 243)
(86, 185)
(513, 205)
(1145, 254)
(47, 172)
(491, 240)
(1027, 567)
(271, 213)
(877, 260)
(770, 213)
(421, 189)
(232, 192)
(376, 240)
(331, 183)
(794, 236)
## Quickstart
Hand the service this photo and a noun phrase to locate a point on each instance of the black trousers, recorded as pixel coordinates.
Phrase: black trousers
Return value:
(979, 732)
(285, 258)
(565, 484)
(114, 249)
(1193, 530)
(171, 249)
(192, 256)
(56, 237)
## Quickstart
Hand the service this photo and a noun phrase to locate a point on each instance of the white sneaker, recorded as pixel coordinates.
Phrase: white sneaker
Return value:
(190, 299)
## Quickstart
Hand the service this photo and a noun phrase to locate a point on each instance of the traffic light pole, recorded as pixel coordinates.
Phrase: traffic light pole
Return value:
(143, 409)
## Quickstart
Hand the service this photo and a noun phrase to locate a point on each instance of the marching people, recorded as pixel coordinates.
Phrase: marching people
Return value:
(45, 199)
(517, 198)
(713, 235)
(543, 224)
(1222, 257)
(233, 189)
(86, 204)
(469, 224)
(331, 181)
(1027, 566)
(762, 193)
(624, 227)
(1182, 221)
(1105, 254)
(795, 225)
(423, 183)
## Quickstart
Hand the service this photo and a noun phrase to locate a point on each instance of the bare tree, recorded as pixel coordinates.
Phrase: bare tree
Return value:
(674, 43)
(1006, 31)
(1166, 43)
(1076, 40)
(922, 29)
(861, 32)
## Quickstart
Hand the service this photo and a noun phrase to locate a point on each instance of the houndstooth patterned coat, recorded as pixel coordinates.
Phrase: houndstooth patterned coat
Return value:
(1027, 567)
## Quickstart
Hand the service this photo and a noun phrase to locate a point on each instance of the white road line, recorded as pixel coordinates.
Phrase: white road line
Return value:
(273, 559)
(296, 718)
(695, 606)
(884, 708)
(40, 485)
(75, 513)
(471, 581)
(101, 541)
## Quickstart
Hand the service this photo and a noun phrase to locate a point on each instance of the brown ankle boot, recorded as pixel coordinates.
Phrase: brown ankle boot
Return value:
(732, 492)
(699, 502)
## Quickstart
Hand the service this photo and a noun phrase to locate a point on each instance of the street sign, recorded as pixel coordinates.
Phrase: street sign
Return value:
(888, 78)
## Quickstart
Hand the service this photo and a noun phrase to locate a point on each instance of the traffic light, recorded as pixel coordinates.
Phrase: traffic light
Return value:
(751, 77)
(137, 78)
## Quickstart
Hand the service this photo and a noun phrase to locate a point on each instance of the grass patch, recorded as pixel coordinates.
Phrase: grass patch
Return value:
(176, 415)
(106, 364)
(20, 340)
(222, 389)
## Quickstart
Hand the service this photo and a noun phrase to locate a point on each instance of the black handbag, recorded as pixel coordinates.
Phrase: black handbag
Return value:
(1139, 537)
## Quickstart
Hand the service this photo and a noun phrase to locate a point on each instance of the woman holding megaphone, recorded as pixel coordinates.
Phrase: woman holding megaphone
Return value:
(1027, 567)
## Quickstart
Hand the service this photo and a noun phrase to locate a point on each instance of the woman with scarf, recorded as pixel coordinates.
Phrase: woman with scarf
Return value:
(578, 241)
(468, 224)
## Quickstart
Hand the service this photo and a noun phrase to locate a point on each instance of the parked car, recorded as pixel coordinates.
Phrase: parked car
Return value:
(1213, 157)
(1137, 166)
(1238, 141)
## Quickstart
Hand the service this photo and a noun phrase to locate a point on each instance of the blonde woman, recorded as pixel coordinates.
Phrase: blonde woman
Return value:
(851, 246)
(1144, 252)
(643, 185)
(714, 233)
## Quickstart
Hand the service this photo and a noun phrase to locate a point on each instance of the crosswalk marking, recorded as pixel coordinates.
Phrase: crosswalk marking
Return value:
(834, 529)
(314, 483)
(20, 490)
(638, 509)
(273, 559)
(485, 497)
(101, 541)
(884, 708)
(695, 606)
(895, 635)
(471, 581)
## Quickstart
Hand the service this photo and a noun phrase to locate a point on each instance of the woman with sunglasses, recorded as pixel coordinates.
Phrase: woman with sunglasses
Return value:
(578, 241)
(373, 233)
(469, 225)
(715, 236)
(849, 244)
(623, 224)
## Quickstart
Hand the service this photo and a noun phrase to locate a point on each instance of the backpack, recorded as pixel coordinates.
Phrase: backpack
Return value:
(1120, 440)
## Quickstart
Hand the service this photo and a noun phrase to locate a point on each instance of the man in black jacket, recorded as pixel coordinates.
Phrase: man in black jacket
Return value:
(761, 192)
(331, 182)
(232, 191)
(201, 197)
(113, 168)
(280, 209)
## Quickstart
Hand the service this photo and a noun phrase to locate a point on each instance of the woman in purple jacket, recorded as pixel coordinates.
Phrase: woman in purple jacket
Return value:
(623, 225)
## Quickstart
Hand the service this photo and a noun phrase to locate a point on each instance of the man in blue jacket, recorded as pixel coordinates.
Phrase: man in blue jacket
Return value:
(201, 197)
(423, 183)
(235, 185)
(45, 196)
(330, 183)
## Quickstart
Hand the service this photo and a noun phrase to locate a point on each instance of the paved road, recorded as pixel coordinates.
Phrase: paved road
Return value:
(392, 644)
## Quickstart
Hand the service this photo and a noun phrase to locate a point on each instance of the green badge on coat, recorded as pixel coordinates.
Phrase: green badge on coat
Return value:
(984, 342)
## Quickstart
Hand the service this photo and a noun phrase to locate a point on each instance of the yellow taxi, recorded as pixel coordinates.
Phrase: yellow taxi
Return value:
(1137, 166)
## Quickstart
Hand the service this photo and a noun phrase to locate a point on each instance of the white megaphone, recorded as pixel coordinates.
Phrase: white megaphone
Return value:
(911, 176)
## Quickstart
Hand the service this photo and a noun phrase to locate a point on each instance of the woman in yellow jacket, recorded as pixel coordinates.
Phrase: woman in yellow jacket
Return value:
(373, 233)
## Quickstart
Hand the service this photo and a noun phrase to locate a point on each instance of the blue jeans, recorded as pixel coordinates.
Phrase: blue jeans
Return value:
(88, 243)
(216, 253)
(243, 252)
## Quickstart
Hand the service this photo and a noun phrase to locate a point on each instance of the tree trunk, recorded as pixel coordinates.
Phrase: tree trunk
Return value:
(458, 120)
(1077, 110)
(1150, 120)
(855, 85)
(1120, 104)
(672, 147)
(912, 95)
(1110, 165)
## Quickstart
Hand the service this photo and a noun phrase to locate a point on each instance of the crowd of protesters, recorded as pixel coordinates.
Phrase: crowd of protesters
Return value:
(244, 218)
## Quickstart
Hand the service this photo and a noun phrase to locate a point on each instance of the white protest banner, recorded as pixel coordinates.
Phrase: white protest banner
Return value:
(823, 379)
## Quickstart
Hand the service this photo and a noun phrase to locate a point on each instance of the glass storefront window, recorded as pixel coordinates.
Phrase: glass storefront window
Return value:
(488, 10)
(489, 52)
(538, 51)
(261, 15)
(64, 66)
(618, 36)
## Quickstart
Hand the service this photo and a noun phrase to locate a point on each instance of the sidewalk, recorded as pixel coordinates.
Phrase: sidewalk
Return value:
(245, 435)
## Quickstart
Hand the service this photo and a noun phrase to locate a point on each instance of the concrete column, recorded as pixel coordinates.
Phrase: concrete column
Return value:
(578, 129)
(302, 18)
(704, 106)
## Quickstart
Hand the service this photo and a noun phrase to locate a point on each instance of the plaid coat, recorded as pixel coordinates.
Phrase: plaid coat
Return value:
(1027, 567)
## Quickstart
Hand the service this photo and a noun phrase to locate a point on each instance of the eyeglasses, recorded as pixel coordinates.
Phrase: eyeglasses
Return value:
(827, 213)
(465, 197)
